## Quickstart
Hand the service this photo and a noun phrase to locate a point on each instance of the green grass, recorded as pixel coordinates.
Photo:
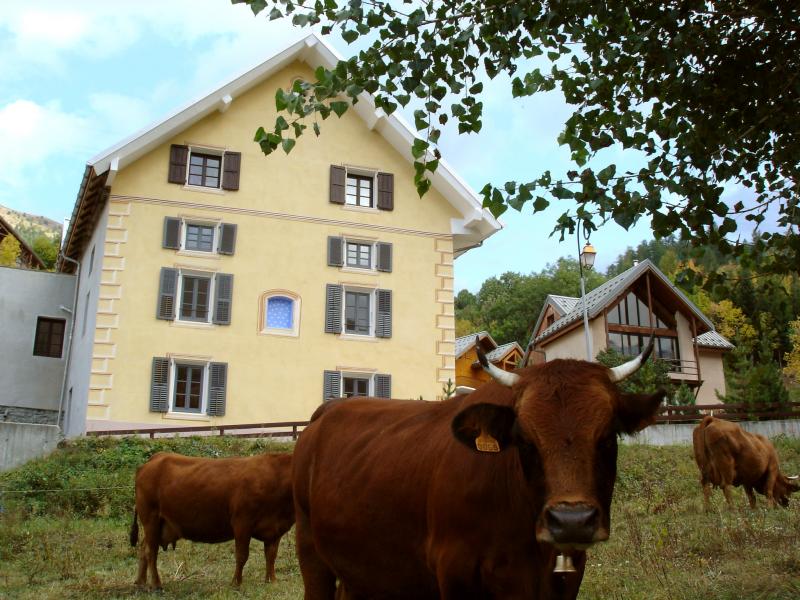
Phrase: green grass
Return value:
(73, 543)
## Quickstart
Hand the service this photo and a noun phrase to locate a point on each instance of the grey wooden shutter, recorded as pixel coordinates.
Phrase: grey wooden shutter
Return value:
(223, 298)
(172, 233)
(333, 308)
(227, 238)
(335, 251)
(159, 385)
(384, 262)
(217, 387)
(178, 157)
(383, 322)
(385, 191)
(167, 291)
(338, 179)
(231, 166)
(331, 385)
(383, 386)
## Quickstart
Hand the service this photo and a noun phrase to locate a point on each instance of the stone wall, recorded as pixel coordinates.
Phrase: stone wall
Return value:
(670, 434)
(23, 414)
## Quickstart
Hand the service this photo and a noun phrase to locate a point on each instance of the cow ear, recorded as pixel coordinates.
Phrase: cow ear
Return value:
(637, 411)
(485, 427)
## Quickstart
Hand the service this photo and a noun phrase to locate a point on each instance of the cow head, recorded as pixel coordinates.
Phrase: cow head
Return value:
(564, 422)
(783, 488)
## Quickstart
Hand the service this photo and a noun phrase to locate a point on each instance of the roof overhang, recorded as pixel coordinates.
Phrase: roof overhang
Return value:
(475, 223)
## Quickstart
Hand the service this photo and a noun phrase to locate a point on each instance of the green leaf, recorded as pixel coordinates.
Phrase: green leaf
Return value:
(418, 148)
(339, 108)
(350, 36)
(288, 144)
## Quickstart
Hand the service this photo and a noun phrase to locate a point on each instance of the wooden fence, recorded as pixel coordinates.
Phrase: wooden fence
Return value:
(729, 412)
(285, 429)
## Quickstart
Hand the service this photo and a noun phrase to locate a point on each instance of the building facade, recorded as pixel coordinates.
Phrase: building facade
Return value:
(623, 313)
(220, 286)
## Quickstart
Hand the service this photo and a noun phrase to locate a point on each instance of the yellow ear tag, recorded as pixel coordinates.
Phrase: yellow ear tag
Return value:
(486, 443)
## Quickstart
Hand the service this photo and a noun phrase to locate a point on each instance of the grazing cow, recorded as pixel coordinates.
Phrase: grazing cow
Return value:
(212, 500)
(727, 455)
(473, 497)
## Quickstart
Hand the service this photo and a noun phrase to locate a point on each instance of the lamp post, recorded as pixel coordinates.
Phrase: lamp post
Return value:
(586, 261)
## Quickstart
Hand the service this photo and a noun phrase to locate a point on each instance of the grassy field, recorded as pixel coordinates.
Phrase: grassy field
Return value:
(69, 539)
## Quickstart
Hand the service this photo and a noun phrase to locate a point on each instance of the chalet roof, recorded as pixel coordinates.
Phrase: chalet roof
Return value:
(465, 342)
(502, 351)
(713, 339)
(33, 258)
(563, 304)
(476, 223)
(601, 297)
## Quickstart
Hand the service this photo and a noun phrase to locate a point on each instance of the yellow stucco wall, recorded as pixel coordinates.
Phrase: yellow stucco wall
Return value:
(713, 375)
(284, 218)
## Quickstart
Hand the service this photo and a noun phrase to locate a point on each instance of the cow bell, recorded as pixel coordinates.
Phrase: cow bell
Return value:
(564, 564)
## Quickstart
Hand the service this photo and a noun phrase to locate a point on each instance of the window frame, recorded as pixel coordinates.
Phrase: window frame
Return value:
(174, 363)
(360, 375)
(264, 299)
(182, 274)
(51, 320)
(360, 175)
(372, 308)
(205, 153)
(372, 254)
(187, 223)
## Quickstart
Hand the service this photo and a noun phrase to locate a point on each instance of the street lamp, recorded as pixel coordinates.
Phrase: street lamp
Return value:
(587, 256)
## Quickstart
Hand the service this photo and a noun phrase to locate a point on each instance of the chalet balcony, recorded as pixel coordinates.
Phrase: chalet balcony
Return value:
(682, 370)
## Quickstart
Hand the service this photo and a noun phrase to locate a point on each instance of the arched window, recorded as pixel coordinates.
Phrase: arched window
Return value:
(280, 313)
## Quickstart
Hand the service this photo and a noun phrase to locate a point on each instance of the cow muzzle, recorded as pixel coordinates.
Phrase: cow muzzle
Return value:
(572, 526)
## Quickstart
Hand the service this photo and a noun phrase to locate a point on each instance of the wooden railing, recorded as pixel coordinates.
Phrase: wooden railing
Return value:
(730, 412)
(682, 367)
(284, 429)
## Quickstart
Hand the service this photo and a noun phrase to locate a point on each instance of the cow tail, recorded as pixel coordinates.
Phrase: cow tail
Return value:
(135, 529)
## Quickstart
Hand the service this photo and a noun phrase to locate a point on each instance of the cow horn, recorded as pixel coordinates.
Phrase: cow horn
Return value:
(627, 369)
(793, 478)
(503, 377)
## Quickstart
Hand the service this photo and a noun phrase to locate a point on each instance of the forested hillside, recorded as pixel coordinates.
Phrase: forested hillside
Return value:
(759, 314)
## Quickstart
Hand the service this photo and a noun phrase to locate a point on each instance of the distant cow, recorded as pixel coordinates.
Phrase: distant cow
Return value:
(727, 455)
(212, 500)
(472, 497)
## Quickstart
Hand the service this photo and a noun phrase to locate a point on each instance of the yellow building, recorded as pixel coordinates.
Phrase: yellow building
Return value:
(468, 370)
(220, 286)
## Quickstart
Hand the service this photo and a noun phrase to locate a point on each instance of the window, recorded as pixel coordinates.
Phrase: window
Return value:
(85, 314)
(280, 313)
(195, 292)
(359, 190)
(204, 169)
(357, 312)
(49, 337)
(631, 344)
(355, 386)
(199, 237)
(550, 320)
(359, 255)
(188, 388)
(633, 311)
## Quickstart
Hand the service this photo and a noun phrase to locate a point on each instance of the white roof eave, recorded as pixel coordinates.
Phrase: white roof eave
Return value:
(476, 224)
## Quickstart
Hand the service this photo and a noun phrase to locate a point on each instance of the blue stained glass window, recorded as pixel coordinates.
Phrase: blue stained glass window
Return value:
(280, 312)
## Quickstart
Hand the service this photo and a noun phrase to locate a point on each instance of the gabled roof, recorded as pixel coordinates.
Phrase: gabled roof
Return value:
(501, 352)
(465, 342)
(601, 297)
(475, 224)
(563, 304)
(713, 339)
(33, 258)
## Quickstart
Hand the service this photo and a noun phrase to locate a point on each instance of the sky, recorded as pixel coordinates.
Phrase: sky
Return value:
(79, 76)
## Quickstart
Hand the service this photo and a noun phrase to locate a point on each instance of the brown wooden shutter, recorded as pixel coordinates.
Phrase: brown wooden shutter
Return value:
(384, 262)
(167, 291)
(383, 386)
(172, 233)
(217, 388)
(223, 298)
(227, 238)
(335, 251)
(331, 385)
(178, 157)
(159, 385)
(383, 314)
(231, 166)
(338, 181)
(385, 191)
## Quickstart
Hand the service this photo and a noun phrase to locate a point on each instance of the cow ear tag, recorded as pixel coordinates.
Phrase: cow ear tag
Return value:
(486, 443)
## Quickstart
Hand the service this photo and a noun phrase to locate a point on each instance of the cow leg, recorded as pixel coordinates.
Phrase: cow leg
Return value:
(152, 531)
(727, 489)
(242, 552)
(141, 577)
(270, 554)
(772, 476)
(751, 497)
(318, 580)
(707, 489)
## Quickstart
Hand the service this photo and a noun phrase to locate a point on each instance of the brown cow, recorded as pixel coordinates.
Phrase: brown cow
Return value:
(472, 497)
(727, 455)
(212, 500)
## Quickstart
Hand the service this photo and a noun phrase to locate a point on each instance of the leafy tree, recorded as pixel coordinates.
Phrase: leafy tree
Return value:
(651, 376)
(704, 94)
(792, 358)
(682, 396)
(9, 251)
(47, 249)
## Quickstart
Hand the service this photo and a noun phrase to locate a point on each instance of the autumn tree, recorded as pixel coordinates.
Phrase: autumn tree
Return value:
(702, 95)
(46, 248)
(9, 251)
(792, 358)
